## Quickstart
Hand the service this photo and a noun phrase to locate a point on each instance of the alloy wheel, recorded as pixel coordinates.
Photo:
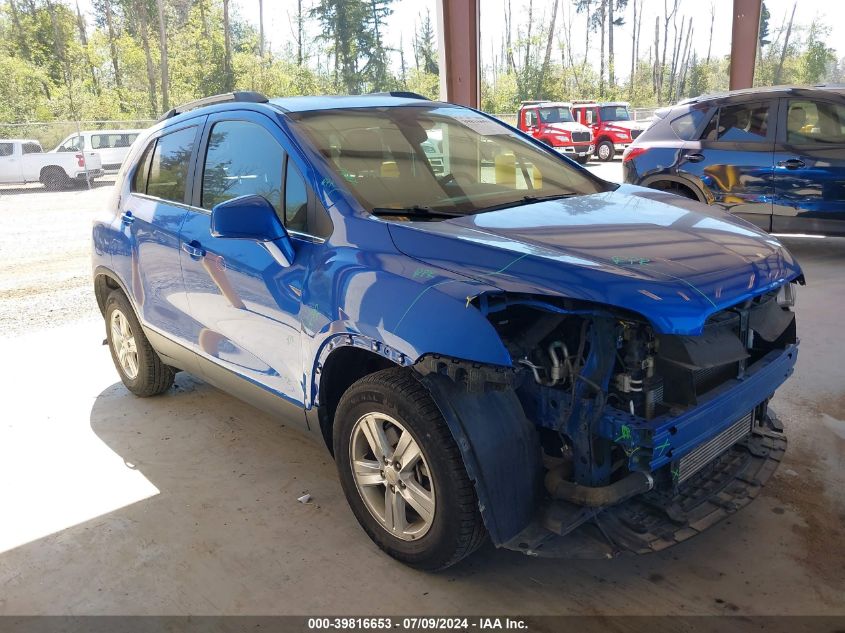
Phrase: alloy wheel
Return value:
(392, 476)
(123, 344)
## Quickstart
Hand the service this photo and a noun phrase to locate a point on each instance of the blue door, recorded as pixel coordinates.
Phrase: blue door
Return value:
(151, 215)
(733, 159)
(245, 302)
(810, 167)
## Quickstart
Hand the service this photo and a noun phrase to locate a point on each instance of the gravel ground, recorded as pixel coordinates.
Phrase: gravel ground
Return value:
(45, 256)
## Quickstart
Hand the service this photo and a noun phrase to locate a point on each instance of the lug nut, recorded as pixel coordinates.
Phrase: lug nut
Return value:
(397, 466)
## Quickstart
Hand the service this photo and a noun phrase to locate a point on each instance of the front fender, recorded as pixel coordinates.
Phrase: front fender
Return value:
(401, 310)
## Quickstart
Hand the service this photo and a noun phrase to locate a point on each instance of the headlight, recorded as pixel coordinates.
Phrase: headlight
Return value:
(787, 295)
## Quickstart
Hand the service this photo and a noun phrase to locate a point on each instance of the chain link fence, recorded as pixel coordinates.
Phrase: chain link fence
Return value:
(51, 133)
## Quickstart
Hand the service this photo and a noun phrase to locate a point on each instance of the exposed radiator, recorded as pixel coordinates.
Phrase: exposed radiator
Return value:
(692, 462)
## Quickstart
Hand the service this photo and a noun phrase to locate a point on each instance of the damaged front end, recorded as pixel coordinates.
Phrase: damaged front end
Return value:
(645, 438)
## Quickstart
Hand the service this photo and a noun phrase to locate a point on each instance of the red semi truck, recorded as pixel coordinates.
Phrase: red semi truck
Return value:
(610, 121)
(554, 124)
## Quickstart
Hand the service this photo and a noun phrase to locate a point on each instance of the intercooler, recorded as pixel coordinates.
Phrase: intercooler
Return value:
(692, 462)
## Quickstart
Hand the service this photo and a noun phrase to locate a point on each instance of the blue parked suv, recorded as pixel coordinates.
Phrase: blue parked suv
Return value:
(773, 156)
(489, 339)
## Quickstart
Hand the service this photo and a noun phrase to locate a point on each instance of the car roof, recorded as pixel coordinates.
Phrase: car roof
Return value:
(771, 91)
(545, 104)
(19, 140)
(331, 102)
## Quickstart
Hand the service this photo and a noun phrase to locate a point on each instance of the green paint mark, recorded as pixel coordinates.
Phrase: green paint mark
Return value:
(626, 434)
(676, 474)
(663, 447)
(504, 268)
(423, 273)
(632, 261)
(328, 184)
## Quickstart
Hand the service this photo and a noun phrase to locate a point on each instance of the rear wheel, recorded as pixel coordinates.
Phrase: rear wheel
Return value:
(403, 474)
(54, 178)
(605, 151)
(141, 369)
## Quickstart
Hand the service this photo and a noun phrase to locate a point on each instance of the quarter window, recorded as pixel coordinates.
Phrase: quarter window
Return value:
(815, 122)
(242, 159)
(169, 166)
(296, 200)
(685, 126)
(139, 180)
(743, 123)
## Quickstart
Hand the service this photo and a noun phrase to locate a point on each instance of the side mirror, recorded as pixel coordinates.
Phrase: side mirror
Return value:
(253, 218)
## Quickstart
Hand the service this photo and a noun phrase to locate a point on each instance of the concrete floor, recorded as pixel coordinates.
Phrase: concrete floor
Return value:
(187, 504)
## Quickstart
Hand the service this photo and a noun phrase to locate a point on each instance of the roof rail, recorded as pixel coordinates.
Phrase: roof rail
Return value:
(246, 96)
(405, 94)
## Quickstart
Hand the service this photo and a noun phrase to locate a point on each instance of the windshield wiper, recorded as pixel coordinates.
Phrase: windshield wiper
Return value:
(526, 200)
(416, 211)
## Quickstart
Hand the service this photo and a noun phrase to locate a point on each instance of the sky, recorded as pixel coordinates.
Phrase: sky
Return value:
(279, 30)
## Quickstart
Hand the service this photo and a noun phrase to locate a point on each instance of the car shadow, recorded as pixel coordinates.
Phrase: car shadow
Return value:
(39, 188)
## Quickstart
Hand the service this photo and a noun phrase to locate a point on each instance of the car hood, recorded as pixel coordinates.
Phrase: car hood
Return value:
(672, 260)
(568, 126)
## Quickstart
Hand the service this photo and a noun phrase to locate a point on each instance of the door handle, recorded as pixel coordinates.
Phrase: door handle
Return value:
(695, 158)
(193, 249)
(127, 218)
(792, 163)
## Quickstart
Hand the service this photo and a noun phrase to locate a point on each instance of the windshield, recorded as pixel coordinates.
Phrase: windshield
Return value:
(437, 158)
(615, 113)
(556, 115)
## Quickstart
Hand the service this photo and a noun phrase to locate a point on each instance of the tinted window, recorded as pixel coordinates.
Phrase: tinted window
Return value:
(815, 122)
(242, 158)
(744, 123)
(139, 181)
(555, 115)
(6, 149)
(169, 167)
(296, 200)
(685, 126)
(32, 148)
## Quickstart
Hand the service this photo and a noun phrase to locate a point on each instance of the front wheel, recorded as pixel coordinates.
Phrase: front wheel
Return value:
(605, 151)
(583, 160)
(403, 474)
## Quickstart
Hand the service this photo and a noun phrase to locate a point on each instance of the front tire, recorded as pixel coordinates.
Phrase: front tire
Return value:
(583, 160)
(605, 151)
(403, 474)
(141, 369)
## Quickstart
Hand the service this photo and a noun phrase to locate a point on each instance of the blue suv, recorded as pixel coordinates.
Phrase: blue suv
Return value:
(489, 339)
(773, 156)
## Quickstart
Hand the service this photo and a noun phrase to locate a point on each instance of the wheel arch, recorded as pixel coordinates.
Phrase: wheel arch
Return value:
(105, 281)
(697, 191)
(47, 169)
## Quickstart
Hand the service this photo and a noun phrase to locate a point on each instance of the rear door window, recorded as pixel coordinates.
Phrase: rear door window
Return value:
(815, 123)
(742, 123)
(169, 167)
(32, 148)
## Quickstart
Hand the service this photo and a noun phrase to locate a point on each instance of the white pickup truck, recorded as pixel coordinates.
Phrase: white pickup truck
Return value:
(23, 161)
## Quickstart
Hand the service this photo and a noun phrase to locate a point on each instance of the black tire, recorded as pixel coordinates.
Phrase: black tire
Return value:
(605, 151)
(153, 376)
(54, 178)
(583, 160)
(456, 528)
